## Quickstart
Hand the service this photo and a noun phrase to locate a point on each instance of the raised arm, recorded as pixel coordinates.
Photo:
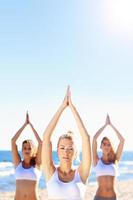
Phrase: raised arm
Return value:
(47, 162)
(15, 153)
(84, 167)
(94, 142)
(38, 157)
(121, 142)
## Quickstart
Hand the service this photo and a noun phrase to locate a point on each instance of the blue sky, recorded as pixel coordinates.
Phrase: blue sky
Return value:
(46, 45)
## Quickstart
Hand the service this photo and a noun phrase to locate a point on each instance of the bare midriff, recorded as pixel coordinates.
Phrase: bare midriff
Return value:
(26, 190)
(105, 186)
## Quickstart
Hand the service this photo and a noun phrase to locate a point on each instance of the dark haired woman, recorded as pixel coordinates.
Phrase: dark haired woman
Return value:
(105, 167)
(27, 170)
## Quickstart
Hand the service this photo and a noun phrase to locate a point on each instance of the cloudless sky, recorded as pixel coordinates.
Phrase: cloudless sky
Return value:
(46, 45)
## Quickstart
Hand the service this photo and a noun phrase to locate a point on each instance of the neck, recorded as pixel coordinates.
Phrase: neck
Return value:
(65, 167)
(26, 162)
(105, 157)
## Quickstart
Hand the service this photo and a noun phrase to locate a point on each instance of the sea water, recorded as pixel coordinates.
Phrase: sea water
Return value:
(7, 179)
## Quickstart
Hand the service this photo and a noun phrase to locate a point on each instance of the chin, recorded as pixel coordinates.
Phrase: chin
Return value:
(27, 156)
(66, 160)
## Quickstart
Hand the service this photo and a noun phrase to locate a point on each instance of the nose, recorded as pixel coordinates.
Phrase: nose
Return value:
(67, 151)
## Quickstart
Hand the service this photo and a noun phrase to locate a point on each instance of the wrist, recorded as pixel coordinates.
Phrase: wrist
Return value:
(25, 124)
(95, 138)
(72, 106)
(61, 108)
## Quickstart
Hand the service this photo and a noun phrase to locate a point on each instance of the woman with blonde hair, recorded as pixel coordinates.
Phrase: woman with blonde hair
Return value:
(64, 182)
(27, 170)
(105, 166)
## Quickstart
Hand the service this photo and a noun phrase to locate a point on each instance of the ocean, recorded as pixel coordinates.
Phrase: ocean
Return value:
(7, 180)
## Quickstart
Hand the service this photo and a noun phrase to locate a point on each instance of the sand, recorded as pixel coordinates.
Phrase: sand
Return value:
(124, 192)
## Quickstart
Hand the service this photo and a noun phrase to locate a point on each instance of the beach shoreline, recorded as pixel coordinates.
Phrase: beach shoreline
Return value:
(123, 188)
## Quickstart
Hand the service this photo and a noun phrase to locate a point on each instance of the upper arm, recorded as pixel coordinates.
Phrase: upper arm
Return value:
(15, 154)
(85, 165)
(119, 150)
(38, 155)
(46, 156)
(94, 151)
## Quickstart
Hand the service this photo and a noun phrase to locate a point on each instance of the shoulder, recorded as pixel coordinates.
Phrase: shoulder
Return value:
(18, 165)
(98, 159)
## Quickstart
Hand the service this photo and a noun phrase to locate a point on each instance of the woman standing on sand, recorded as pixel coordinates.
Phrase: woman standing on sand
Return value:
(105, 167)
(64, 182)
(27, 171)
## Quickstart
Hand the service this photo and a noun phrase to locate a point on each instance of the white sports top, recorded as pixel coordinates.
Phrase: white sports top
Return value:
(73, 190)
(103, 169)
(31, 173)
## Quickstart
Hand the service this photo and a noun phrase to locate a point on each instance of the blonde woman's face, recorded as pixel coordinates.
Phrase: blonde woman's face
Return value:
(66, 150)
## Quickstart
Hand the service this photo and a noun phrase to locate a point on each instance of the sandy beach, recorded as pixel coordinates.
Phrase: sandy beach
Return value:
(124, 192)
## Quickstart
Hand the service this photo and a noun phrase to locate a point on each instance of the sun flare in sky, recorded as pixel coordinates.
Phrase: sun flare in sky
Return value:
(118, 16)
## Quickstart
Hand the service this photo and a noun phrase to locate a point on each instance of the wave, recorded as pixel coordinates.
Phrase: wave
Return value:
(6, 169)
(7, 179)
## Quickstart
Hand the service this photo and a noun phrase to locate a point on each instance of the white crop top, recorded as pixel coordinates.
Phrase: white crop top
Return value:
(73, 190)
(31, 173)
(103, 169)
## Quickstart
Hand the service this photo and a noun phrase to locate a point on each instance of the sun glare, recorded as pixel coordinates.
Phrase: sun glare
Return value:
(119, 16)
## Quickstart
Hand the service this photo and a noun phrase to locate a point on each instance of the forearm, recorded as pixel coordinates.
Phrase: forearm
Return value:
(99, 132)
(15, 137)
(36, 134)
(51, 126)
(86, 150)
(117, 133)
(81, 127)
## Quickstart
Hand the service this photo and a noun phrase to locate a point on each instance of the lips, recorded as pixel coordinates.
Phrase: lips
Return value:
(27, 153)
(66, 158)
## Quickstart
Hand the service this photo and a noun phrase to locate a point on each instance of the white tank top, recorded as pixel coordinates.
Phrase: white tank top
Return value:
(73, 190)
(31, 173)
(102, 169)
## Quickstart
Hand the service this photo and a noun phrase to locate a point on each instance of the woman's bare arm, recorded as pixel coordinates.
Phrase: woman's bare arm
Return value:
(47, 162)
